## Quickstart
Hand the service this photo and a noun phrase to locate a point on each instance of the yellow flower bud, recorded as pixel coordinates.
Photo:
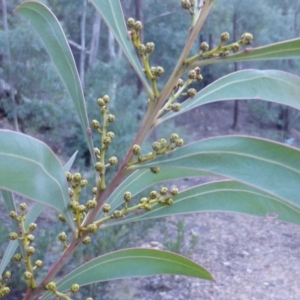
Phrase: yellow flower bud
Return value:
(127, 197)
(99, 167)
(191, 92)
(17, 257)
(147, 206)
(174, 137)
(27, 275)
(150, 47)
(62, 237)
(110, 134)
(106, 99)
(192, 74)
(138, 25)
(159, 71)
(235, 47)
(113, 161)
(68, 176)
(155, 170)
(30, 250)
(144, 200)
(111, 118)
(62, 218)
(175, 107)
(74, 288)
(136, 150)
(100, 102)
(169, 201)
(38, 263)
(162, 142)
(117, 214)
(13, 214)
(186, 4)
(130, 23)
(51, 286)
(179, 142)
(23, 206)
(153, 195)
(141, 49)
(7, 274)
(32, 226)
(156, 146)
(13, 236)
(204, 46)
(83, 183)
(77, 178)
(106, 208)
(30, 238)
(174, 191)
(164, 191)
(95, 124)
(86, 240)
(94, 190)
(224, 37)
(92, 228)
(91, 204)
(180, 82)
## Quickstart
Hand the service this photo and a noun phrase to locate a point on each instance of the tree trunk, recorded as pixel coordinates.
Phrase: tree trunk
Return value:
(139, 16)
(236, 102)
(82, 42)
(8, 59)
(95, 39)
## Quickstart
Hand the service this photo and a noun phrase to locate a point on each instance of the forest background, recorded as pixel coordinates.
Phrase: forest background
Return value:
(37, 103)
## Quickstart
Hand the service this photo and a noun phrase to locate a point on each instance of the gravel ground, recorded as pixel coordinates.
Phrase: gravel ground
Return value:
(250, 259)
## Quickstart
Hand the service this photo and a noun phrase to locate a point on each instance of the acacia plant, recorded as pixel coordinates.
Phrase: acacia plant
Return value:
(257, 176)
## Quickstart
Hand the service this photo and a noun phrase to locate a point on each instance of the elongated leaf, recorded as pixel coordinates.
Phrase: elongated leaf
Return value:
(112, 14)
(282, 50)
(32, 170)
(132, 263)
(265, 165)
(70, 162)
(143, 179)
(53, 37)
(31, 216)
(225, 196)
(270, 85)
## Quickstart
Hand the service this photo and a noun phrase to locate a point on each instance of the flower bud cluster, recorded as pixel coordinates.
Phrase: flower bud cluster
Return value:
(4, 289)
(144, 52)
(164, 196)
(160, 147)
(26, 238)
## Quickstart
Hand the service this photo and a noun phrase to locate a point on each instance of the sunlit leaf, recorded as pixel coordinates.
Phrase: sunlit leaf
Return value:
(32, 170)
(54, 39)
(270, 85)
(112, 14)
(132, 263)
(225, 196)
(268, 166)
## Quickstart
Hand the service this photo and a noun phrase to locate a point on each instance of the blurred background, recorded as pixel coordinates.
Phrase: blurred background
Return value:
(34, 101)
